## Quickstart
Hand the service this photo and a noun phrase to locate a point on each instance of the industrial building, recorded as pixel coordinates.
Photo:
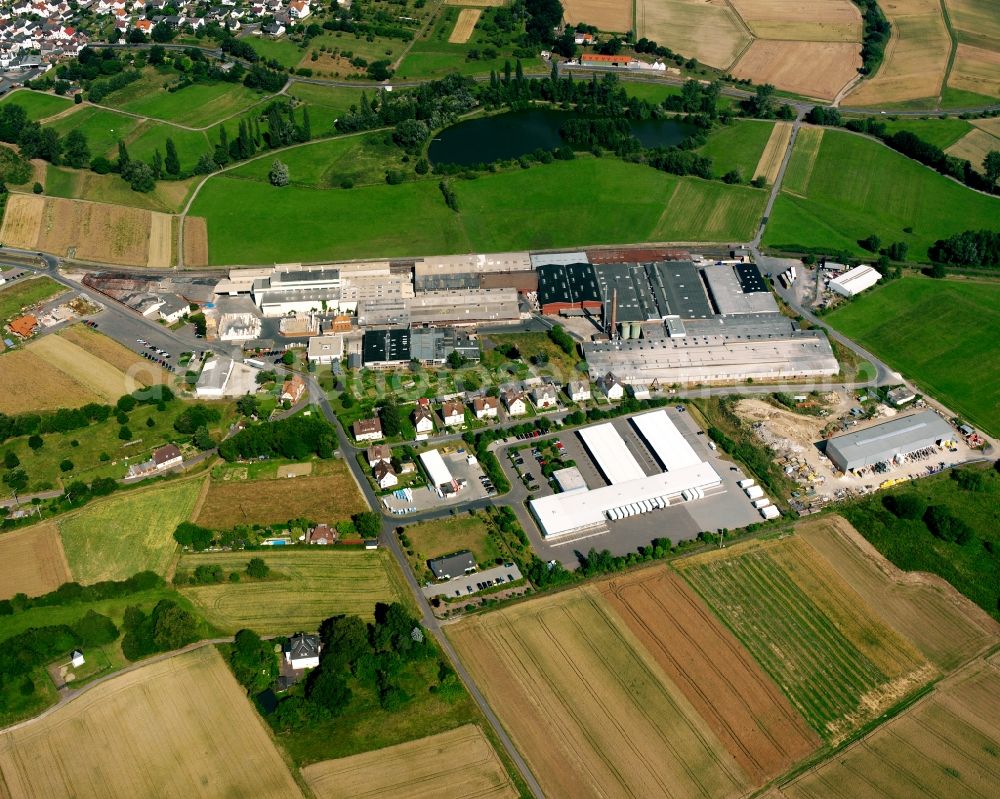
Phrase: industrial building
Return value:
(325, 349)
(438, 474)
(293, 288)
(568, 288)
(738, 289)
(383, 349)
(889, 441)
(432, 345)
(449, 272)
(854, 281)
(578, 509)
(464, 307)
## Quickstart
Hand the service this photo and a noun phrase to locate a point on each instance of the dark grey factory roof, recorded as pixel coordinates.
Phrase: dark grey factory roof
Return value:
(380, 346)
(750, 278)
(882, 442)
(680, 283)
(570, 283)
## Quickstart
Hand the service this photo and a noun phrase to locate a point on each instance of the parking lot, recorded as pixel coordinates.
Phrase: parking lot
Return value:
(470, 584)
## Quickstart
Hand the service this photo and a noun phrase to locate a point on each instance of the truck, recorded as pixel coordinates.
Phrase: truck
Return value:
(754, 492)
(744, 484)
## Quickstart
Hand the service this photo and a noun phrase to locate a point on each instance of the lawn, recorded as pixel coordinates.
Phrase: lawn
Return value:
(24, 293)
(737, 146)
(284, 51)
(940, 132)
(516, 210)
(102, 128)
(971, 568)
(197, 105)
(857, 187)
(307, 585)
(132, 532)
(37, 105)
(433, 539)
(940, 334)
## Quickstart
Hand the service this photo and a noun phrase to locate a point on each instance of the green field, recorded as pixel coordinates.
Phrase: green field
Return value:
(435, 539)
(284, 51)
(115, 538)
(36, 104)
(737, 146)
(857, 187)
(940, 132)
(102, 128)
(940, 334)
(251, 222)
(24, 293)
(151, 136)
(325, 103)
(199, 105)
(816, 638)
(309, 586)
(911, 546)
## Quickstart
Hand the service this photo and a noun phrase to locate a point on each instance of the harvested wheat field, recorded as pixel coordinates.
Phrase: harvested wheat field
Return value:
(830, 21)
(90, 371)
(33, 561)
(458, 764)
(605, 15)
(49, 387)
(22, 221)
(750, 716)
(592, 711)
(834, 658)
(976, 70)
(813, 69)
(195, 241)
(330, 498)
(945, 626)
(977, 22)
(916, 57)
(709, 31)
(182, 727)
(110, 351)
(464, 25)
(160, 240)
(774, 152)
(946, 745)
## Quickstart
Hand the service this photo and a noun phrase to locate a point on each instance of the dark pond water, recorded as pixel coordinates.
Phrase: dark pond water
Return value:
(511, 135)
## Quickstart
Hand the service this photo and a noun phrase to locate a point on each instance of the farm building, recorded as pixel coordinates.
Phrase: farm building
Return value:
(302, 651)
(438, 473)
(854, 281)
(888, 441)
(452, 565)
(597, 59)
(325, 349)
(901, 396)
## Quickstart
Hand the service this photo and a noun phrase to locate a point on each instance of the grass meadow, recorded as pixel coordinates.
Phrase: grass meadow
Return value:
(36, 104)
(737, 146)
(940, 132)
(939, 334)
(102, 128)
(438, 538)
(198, 105)
(325, 103)
(857, 187)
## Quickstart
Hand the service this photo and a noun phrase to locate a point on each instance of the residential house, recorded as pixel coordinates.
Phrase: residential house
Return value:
(578, 390)
(379, 453)
(456, 565)
(453, 412)
(167, 457)
(545, 396)
(144, 25)
(583, 38)
(423, 417)
(515, 402)
(293, 389)
(486, 407)
(322, 534)
(385, 475)
(368, 429)
(299, 9)
(172, 309)
(302, 651)
(76, 659)
(23, 326)
(275, 29)
(610, 387)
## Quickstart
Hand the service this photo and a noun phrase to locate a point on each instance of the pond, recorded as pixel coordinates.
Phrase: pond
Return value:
(511, 135)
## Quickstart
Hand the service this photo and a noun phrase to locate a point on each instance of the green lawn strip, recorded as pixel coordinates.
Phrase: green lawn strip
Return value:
(19, 295)
(102, 128)
(959, 98)
(60, 182)
(940, 132)
(36, 104)
(737, 146)
(127, 533)
(859, 187)
(650, 90)
(937, 333)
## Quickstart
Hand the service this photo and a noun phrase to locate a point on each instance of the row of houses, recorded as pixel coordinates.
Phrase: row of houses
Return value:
(136, 15)
(33, 35)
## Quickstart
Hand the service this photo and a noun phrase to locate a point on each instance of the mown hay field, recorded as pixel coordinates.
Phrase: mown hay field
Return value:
(117, 537)
(477, 3)
(97, 345)
(945, 626)
(307, 587)
(92, 372)
(737, 146)
(28, 383)
(464, 25)
(770, 160)
(979, 141)
(605, 15)
(813, 69)
(33, 561)
(709, 31)
(591, 711)
(948, 744)
(977, 70)
(328, 499)
(832, 21)
(195, 241)
(179, 727)
(916, 57)
(458, 764)
(837, 662)
(739, 702)
(86, 230)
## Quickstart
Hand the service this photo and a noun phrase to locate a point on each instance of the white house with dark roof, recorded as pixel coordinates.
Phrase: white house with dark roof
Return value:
(302, 651)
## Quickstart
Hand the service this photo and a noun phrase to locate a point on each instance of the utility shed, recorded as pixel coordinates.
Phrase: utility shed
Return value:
(887, 441)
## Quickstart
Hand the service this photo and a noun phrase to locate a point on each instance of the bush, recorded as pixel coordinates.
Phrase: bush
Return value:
(905, 506)
(947, 527)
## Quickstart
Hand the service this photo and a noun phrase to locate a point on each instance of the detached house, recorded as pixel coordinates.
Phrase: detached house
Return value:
(322, 534)
(379, 453)
(167, 457)
(545, 396)
(610, 387)
(385, 475)
(453, 413)
(578, 391)
(486, 407)
(302, 651)
(423, 417)
(293, 389)
(299, 9)
(368, 429)
(515, 402)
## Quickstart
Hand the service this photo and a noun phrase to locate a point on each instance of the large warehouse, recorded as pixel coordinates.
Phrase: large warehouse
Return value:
(631, 490)
(885, 442)
(854, 281)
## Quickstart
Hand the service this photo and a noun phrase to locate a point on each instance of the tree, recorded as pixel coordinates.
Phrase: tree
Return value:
(10, 459)
(248, 405)
(253, 661)
(904, 506)
(157, 55)
(288, 357)
(37, 188)
(732, 177)
(123, 157)
(36, 442)
(139, 176)
(163, 32)
(456, 360)
(173, 627)
(202, 439)
(76, 151)
(189, 534)
(389, 415)
(762, 103)
(872, 243)
(328, 689)
(410, 134)
(94, 629)
(16, 480)
(345, 640)
(66, 465)
(278, 176)
(368, 524)
(258, 568)
(991, 166)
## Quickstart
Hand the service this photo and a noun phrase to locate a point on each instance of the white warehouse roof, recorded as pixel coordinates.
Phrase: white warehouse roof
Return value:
(856, 280)
(665, 440)
(561, 514)
(437, 469)
(610, 453)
